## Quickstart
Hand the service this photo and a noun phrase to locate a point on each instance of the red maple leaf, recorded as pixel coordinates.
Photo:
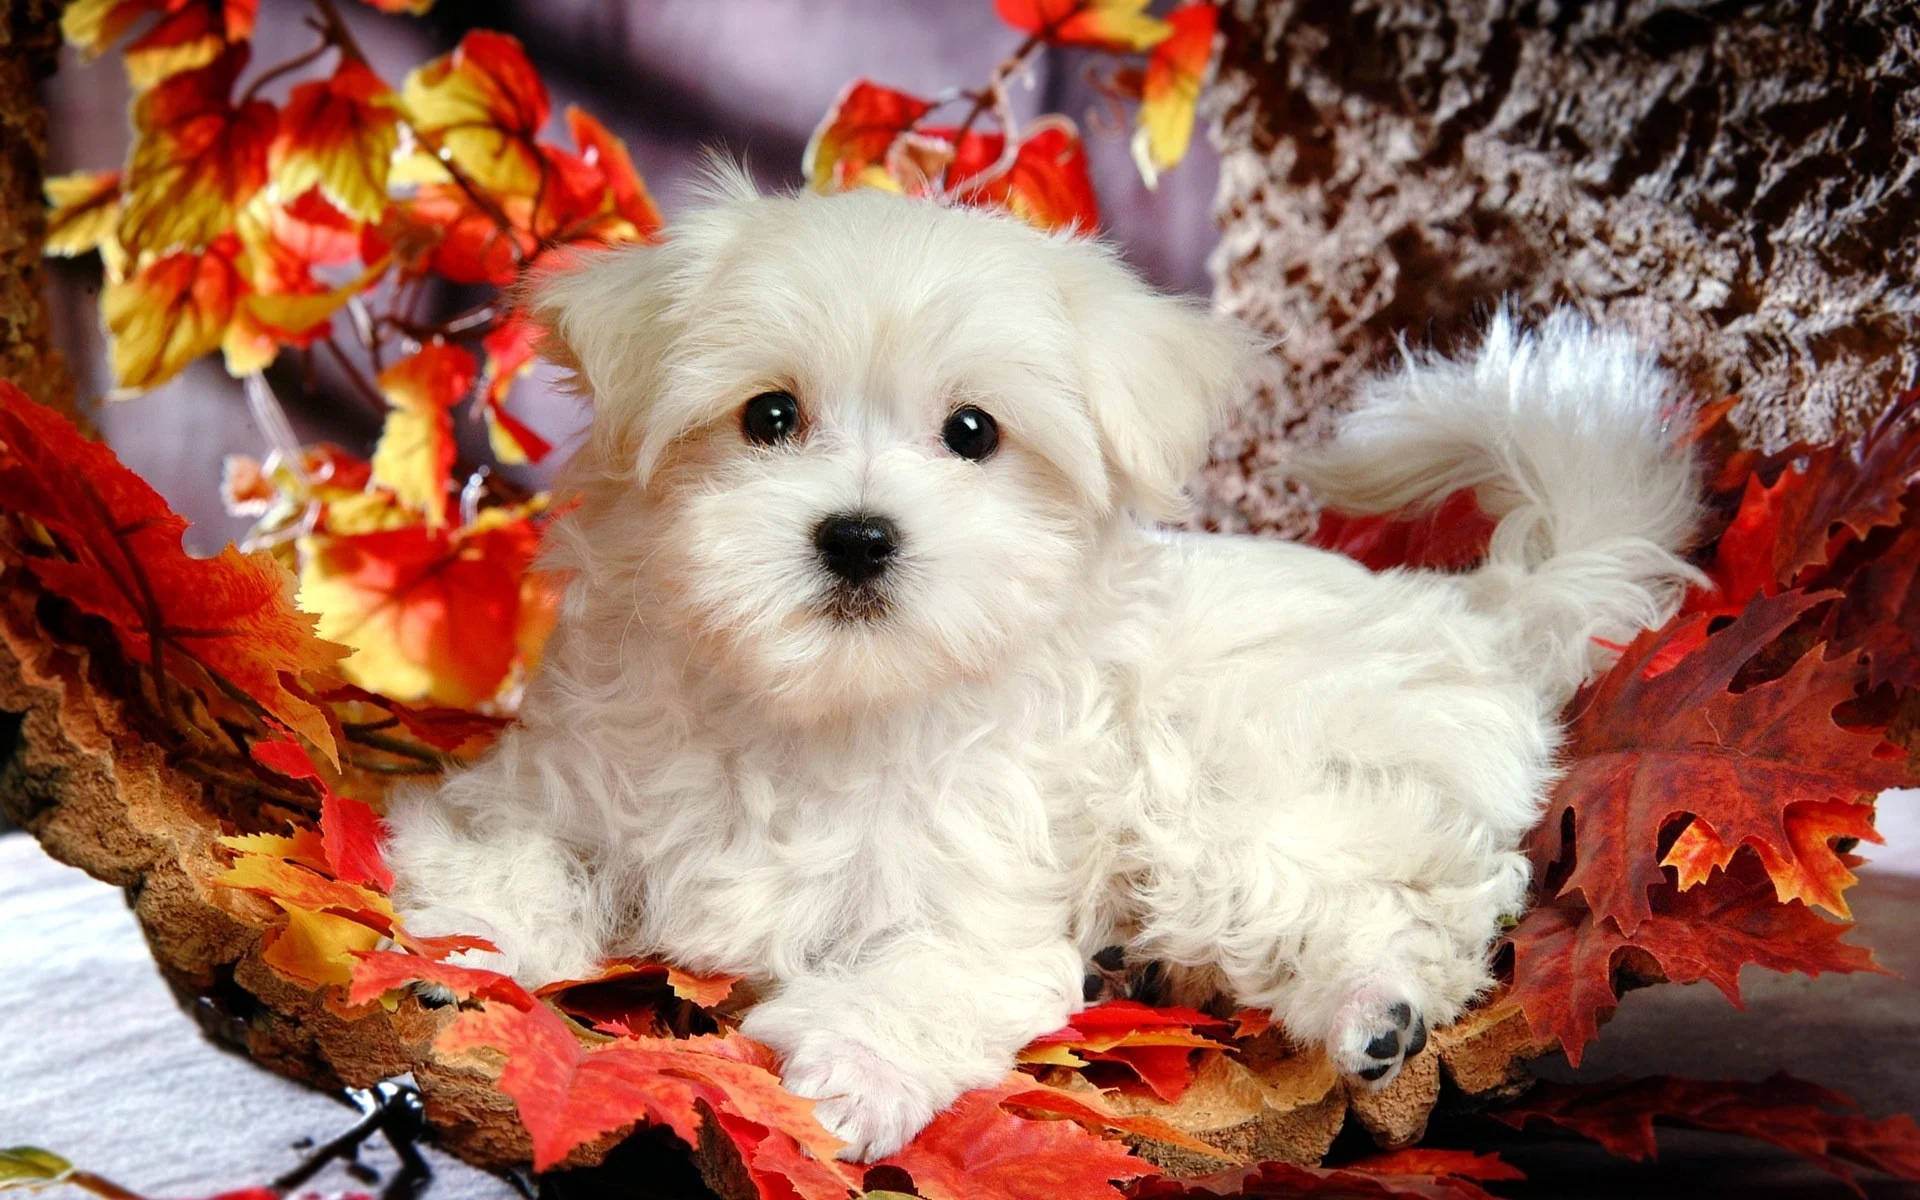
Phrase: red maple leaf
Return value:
(977, 1150)
(120, 558)
(1565, 957)
(1824, 1127)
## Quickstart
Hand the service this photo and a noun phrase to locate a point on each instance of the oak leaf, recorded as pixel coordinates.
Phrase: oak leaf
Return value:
(1565, 957)
(1644, 750)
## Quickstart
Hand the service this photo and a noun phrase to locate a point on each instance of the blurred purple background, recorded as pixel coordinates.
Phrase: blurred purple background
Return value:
(674, 78)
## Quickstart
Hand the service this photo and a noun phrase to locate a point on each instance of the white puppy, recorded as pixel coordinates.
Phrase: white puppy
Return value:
(875, 684)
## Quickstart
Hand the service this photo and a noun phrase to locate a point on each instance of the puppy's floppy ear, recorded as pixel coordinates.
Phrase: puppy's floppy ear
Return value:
(612, 318)
(1158, 370)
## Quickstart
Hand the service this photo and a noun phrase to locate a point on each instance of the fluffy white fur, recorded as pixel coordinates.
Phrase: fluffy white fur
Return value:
(1067, 730)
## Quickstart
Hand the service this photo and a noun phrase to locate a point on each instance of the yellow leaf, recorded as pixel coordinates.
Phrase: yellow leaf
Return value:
(82, 209)
(482, 105)
(1171, 90)
(317, 948)
(415, 455)
(339, 134)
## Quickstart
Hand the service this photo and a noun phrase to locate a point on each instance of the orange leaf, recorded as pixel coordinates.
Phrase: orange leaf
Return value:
(1118, 25)
(482, 105)
(196, 159)
(1047, 182)
(1171, 90)
(349, 832)
(856, 133)
(381, 971)
(231, 614)
(416, 451)
(339, 134)
(1812, 872)
(431, 615)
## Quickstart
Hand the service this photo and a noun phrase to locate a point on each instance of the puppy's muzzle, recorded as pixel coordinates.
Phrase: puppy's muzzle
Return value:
(856, 547)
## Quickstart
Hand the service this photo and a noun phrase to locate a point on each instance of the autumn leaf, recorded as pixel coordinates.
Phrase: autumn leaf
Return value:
(231, 615)
(1565, 957)
(1118, 25)
(1451, 536)
(170, 312)
(510, 355)
(415, 454)
(431, 614)
(1879, 614)
(607, 155)
(482, 106)
(1813, 872)
(1644, 750)
(82, 210)
(339, 135)
(197, 158)
(856, 133)
(977, 1149)
(1046, 183)
(190, 33)
(1824, 1127)
(380, 971)
(569, 1094)
(1156, 1044)
(1171, 90)
(316, 948)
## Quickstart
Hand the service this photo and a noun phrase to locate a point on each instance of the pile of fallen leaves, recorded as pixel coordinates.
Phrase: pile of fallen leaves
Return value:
(194, 731)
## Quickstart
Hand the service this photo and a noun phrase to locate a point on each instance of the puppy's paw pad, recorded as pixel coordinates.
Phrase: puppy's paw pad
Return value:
(860, 1097)
(1374, 1037)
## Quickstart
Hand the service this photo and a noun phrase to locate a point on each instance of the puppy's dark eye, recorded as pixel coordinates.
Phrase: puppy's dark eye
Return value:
(971, 433)
(770, 417)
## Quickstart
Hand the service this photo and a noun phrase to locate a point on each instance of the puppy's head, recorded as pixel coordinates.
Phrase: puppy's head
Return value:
(859, 447)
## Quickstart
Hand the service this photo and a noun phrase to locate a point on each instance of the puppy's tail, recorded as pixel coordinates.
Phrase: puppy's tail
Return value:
(1561, 436)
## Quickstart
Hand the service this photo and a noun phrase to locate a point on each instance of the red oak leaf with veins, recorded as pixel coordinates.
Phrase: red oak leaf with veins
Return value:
(1645, 750)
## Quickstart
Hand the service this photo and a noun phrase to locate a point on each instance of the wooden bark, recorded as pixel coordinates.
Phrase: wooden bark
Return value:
(29, 48)
(1736, 183)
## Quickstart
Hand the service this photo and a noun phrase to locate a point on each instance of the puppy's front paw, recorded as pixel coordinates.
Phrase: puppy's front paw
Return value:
(860, 1097)
(1374, 1035)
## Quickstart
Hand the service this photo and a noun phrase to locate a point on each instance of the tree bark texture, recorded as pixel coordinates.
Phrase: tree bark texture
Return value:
(29, 49)
(1738, 184)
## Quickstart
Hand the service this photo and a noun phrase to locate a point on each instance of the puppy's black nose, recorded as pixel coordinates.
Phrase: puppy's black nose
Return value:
(855, 546)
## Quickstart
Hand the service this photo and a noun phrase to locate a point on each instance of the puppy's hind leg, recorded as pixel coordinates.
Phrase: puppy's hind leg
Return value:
(1333, 933)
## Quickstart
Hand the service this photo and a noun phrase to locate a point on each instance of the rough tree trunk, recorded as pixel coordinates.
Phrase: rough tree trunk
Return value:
(1737, 183)
(29, 48)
